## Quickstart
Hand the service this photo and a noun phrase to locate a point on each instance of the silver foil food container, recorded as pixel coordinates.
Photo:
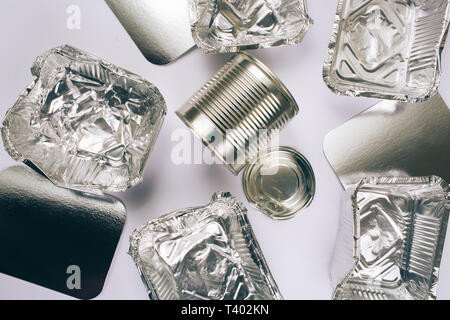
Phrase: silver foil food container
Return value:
(231, 26)
(237, 112)
(392, 139)
(387, 49)
(160, 28)
(203, 253)
(391, 239)
(85, 123)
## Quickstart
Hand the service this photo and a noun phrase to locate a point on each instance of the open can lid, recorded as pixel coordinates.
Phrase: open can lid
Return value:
(280, 183)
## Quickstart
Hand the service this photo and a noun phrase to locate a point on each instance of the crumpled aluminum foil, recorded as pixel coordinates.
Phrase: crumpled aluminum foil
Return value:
(235, 25)
(203, 253)
(85, 123)
(387, 49)
(390, 246)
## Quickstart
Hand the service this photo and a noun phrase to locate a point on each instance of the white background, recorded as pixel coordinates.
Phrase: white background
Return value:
(299, 250)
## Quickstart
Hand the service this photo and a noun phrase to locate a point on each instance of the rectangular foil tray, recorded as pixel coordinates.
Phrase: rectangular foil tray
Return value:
(388, 49)
(203, 253)
(394, 239)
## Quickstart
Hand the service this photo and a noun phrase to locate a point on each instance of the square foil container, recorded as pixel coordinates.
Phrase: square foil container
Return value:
(234, 25)
(203, 253)
(387, 49)
(393, 239)
(85, 123)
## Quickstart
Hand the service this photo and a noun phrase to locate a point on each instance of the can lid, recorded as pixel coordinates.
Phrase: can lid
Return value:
(280, 183)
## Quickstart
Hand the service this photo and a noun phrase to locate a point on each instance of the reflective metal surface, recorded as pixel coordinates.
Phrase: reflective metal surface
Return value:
(231, 26)
(238, 111)
(387, 49)
(53, 237)
(160, 28)
(203, 253)
(392, 139)
(280, 183)
(85, 123)
(397, 233)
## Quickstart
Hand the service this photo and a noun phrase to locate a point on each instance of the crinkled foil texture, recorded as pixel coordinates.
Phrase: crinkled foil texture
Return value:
(234, 25)
(203, 253)
(85, 123)
(387, 49)
(390, 246)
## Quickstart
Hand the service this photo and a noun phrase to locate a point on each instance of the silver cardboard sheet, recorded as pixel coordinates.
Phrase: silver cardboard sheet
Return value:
(54, 237)
(160, 28)
(392, 139)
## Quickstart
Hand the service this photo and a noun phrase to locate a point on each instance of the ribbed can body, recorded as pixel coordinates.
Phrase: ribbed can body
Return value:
(238, 111)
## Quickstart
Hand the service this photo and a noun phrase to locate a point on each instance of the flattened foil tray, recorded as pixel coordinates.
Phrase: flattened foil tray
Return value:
(160, 28)
(392, 139)
(54, 237)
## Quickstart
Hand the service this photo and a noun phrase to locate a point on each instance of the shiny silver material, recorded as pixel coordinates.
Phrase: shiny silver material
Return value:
(203, 253)
(394, 239)
(46, 232)
(236, 25)
(280, 183)
(392, 139)
(160, 28)
(387, 49)
(85, 123)
(238, 111)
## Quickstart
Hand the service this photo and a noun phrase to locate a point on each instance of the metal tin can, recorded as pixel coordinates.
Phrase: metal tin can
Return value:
(237, 112)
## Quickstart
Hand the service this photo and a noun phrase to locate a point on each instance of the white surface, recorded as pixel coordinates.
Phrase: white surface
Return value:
(298, 251)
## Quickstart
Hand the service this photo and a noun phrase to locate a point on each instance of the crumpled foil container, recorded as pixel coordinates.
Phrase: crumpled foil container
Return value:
(393, 240)
(387, 49)
(203, 253)
(85, 123)
(235, 25)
